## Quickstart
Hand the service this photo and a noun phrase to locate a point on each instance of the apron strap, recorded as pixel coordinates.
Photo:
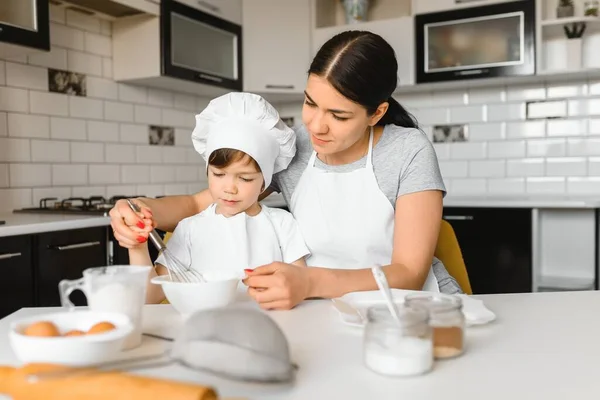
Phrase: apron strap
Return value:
(312, 159)
(370, 153)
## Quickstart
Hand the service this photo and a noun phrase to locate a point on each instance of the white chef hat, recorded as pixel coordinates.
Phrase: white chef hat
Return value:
(245, 122)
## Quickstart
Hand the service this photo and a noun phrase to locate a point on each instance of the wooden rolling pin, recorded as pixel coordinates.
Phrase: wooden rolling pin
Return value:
(99, 385)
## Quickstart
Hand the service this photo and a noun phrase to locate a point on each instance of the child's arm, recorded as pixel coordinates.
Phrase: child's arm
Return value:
(301, 262)
(141, 256)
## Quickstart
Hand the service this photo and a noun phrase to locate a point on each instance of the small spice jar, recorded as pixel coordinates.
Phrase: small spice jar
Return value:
(446, 320)
(398, 349)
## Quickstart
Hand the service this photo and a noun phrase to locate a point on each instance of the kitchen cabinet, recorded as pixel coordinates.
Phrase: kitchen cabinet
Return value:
(230, 10)
(16, 285)
(24, 27)
(64, 255)
(496, 244)
(277, 50)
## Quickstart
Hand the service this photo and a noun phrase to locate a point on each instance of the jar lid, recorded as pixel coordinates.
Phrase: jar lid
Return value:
(408, 315)
(434, 302)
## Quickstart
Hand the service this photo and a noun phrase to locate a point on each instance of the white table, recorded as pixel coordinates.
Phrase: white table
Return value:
(542, 346)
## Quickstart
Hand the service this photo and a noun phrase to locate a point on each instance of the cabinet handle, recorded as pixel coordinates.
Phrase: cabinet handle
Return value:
(9, 255)
(459, 217)
(279, 86)
(75, 246)
(211, 7)
(210, 78)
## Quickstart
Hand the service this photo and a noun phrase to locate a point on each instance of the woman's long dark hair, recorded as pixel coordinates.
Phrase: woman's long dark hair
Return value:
(362, 66)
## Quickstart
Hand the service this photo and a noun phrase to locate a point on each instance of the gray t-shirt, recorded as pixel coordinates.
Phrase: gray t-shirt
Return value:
(404, 161)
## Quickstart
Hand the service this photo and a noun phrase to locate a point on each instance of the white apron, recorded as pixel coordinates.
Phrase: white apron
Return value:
(346, 220)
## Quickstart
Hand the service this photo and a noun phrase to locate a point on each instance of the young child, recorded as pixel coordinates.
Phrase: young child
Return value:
(244, 142)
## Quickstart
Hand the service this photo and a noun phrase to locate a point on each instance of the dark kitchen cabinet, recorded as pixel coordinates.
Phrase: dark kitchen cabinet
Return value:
(64, 255)
(496, 244)
(16, 285)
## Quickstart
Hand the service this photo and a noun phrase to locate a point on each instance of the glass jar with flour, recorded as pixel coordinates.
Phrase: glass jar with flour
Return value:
(395, 348)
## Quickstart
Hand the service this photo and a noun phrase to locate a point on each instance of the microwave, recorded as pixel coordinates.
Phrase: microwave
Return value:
(200, 46)
(496, 40)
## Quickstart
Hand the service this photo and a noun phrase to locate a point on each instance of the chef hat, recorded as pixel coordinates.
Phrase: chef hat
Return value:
(245, 122)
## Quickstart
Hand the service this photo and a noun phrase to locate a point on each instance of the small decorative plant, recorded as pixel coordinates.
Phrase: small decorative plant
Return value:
(575, 30)
(565, 9)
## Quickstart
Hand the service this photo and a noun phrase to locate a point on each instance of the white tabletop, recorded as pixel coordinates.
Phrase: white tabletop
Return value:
(542, 346)
(25, 224)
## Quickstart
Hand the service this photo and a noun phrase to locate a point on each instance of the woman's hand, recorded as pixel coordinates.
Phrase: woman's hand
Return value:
(131, 228)
(278, 286)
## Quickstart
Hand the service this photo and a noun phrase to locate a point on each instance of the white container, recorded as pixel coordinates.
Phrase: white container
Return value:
(220, 290)
(83, 350)
(574, 49)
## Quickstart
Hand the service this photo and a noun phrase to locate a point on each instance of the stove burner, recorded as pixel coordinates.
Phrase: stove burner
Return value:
(93, 205)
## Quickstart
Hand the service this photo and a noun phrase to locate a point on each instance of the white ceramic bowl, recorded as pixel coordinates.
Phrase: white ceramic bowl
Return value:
(219, 290)
(71, 350)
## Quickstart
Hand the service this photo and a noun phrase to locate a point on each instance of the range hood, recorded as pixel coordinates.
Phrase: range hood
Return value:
(111, 9)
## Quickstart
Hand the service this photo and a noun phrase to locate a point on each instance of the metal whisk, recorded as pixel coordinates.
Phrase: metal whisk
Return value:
(178, 272)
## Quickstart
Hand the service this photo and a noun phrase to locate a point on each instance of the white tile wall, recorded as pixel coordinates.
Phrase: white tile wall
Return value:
(55, 145)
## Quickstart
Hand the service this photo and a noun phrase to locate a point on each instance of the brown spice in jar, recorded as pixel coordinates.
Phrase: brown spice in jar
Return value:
(447, 341)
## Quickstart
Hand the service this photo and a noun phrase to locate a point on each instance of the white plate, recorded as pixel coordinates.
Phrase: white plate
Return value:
(352, 307)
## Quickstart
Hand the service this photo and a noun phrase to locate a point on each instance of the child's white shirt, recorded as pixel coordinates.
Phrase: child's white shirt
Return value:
(210, 241)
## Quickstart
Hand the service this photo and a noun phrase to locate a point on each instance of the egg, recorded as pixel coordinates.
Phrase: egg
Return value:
(42, 329)
(101, 327)
(75, 332)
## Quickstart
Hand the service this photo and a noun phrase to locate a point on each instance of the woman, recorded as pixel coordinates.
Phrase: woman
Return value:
(364, 186)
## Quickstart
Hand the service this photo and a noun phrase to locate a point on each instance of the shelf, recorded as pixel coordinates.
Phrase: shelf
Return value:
(570, 20)
(330, 13)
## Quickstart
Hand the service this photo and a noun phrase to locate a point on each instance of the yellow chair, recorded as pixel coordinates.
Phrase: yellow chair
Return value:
(448, 252)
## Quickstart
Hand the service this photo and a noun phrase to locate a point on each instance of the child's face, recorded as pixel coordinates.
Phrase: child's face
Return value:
(236, 187)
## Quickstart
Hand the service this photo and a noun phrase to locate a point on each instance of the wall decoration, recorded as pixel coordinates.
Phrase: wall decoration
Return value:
(161, 135)
(450, 133)
(67, 82)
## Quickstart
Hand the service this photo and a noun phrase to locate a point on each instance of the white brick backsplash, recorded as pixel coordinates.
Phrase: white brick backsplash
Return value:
(105, 27)
(89, 191)
(594, 126)
(566, 90)
(11, 199)
(594, 88)
(2, 73)
(433, 116)
(49, 103)
(49, 151)
(81, 107)
(147, 114)
(567, 127)
(468, 186)
(133, 94)
(582, 108)
(486, 131)
(468, 114)
(104, 174)
(526, 93)
(69, 175)
(28, 175)
(3, 124)
(65, 36)
(121, 190)
(26, 76)
(583, 147)
(176, 189)
(196, 187)
(567, 166)
(157, 97)
(149, 154)
(202, 102)
(188, 174)
(151, 190)
(185, 102)
(411, 101)
(506, 186)
(506, 112)
(525, 167)
(50, 192)
(526, 129)
(107, 67)
(194, 158)
(442, 150)
(28, 125)
(487, 169)
(162, 174)
(546, 148)
(467, 151)
(83, 21)
(101, 131)
(3, 175)
(56, 58)
(67, 128)
(183, 137)
(594, 166)
(102, 88)
(182, 119)
(131, 133)
(545, 185)
(448, 99)
(84, 63)
(135, 174)
(57, 14)
(115, 111)
(487, 95)
(85, 152)
(583, 186)
(454, 169)
(120, 153)
(174, 155)
(13, 99)
(547, 109)
(98, 44)
(508, 149)
(14, 150)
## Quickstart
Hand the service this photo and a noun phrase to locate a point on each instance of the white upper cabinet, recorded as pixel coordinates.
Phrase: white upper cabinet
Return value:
(276, 45)
(230, 10)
